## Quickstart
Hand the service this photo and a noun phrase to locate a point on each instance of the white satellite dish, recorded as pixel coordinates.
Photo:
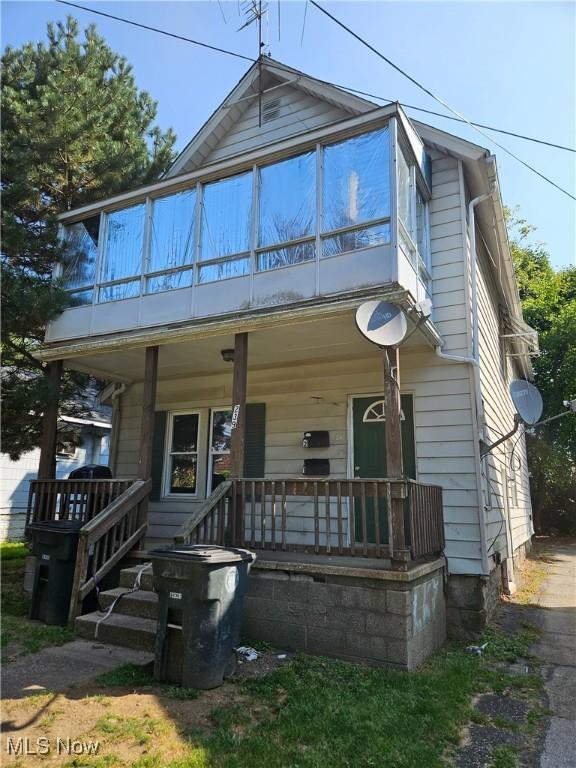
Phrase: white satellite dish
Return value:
(382, 323)
(527, 400)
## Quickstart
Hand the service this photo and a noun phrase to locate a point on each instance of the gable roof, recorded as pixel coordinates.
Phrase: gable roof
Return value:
(263, 77)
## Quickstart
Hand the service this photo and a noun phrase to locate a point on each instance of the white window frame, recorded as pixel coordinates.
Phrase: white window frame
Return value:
(212, 453)
(168, 453)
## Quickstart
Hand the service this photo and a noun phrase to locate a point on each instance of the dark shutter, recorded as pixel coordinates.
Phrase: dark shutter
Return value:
(255, 444)
(158, 454)
(408, 442)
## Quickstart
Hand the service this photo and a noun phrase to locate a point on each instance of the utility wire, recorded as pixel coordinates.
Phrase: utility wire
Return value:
(155, 29)
(438, 99)
(272, 65)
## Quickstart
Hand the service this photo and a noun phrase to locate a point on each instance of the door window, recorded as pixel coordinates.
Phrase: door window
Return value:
(182, 459)
(220, 433)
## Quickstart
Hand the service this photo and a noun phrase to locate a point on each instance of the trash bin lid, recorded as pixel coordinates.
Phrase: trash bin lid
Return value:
(57, 526)
(208, 554)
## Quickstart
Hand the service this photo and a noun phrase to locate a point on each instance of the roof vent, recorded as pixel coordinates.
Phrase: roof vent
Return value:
(271, 109)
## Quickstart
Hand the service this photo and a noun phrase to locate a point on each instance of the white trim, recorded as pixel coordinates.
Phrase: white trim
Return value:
(166, 494)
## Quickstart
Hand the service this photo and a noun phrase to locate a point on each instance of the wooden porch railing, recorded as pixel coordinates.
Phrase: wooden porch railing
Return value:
(71, 499)
(107, 538)
(340, 517)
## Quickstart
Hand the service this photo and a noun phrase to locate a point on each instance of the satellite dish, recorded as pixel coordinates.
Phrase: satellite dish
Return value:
(527, 400)
(382, 323)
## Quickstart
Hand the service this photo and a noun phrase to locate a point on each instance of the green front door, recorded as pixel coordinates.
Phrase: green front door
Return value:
(369, 455)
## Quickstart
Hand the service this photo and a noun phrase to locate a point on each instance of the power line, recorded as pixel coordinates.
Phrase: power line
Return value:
(155, 29)
(438, 99)
(272, 65)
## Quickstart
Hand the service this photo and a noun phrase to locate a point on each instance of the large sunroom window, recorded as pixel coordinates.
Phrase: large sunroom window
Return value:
(287, 212)
(332, 199)
(226, 228)
(356, 193)
(171, 250)
(122, 257)
(79, 268)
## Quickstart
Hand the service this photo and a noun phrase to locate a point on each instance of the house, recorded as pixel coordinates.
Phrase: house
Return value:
(80, 441)
(220, 303)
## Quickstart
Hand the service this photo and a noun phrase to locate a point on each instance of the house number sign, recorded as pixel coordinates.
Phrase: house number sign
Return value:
(235, 417)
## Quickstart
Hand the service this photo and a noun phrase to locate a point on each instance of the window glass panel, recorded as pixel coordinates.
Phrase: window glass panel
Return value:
(422, 234)
(356, 239)
(119, 291)
(283, 257)
(221, 431)
(356, 186)
(405, 194)
(81, 252)
(222, 271)
(287, 200)
(124, 239)
(185, 433)
(226, 214)
(169, 282)
(183, 474)
(172, 231)
(81, 298)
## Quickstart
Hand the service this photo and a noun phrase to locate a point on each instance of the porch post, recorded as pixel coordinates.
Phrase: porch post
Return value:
(47, 464)
(148, 409)
(238, 436)
(394, 453)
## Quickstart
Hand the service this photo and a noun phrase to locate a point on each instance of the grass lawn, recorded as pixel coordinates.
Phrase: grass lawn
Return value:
(308, 712)
(19, 635)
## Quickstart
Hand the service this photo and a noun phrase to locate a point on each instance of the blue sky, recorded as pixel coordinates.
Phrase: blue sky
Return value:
(507, 64)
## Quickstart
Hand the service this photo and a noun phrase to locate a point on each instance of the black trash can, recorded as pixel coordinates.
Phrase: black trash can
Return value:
(55, 545)
(200, 597)
(91, 472)
(86, 504)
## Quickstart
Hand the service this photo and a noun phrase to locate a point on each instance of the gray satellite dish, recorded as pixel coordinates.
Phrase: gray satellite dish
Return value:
(382, 323)
(527, 400)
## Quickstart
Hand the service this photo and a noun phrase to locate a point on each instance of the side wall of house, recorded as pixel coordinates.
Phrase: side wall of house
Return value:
(505, 471)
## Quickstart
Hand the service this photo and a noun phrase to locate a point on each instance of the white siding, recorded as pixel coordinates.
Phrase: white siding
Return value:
(299, 113)
(509, 513)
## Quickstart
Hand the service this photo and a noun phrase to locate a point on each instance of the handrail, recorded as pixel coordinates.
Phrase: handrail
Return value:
(107, 538)
(184, 533)
(71, 499)
(351, 516)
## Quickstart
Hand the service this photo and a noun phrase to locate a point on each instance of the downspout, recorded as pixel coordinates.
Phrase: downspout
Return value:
(116, 416)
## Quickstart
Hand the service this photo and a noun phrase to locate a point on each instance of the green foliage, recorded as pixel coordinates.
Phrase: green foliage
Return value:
(549, 305)
(13, 550)
(128, 675)
(75, 129)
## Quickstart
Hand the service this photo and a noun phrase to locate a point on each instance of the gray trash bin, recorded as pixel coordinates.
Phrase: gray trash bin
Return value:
(200, 597)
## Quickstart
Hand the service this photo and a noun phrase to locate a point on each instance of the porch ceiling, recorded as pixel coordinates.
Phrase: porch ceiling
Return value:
(328, 339)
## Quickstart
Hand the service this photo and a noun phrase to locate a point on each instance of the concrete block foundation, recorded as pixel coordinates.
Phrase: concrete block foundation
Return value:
(357, 613)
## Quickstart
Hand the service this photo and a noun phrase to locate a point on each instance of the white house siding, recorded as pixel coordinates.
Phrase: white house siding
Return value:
(299, 113)
(316, 396)
(16, 477)
(507, 492)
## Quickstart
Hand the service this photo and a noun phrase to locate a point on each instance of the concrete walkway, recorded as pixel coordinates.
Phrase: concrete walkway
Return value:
(55, 669)
(556, 620)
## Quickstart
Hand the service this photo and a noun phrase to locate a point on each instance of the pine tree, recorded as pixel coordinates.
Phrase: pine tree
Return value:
(75, 129)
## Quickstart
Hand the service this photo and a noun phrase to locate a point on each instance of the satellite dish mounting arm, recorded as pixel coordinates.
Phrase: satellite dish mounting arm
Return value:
(488, 449)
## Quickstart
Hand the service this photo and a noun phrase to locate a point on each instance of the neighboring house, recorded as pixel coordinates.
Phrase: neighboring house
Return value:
(80, 441)
(293, 204)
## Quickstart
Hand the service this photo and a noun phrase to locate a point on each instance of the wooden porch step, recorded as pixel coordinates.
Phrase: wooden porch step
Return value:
(143, 603)
(128, 577)
(118, 629)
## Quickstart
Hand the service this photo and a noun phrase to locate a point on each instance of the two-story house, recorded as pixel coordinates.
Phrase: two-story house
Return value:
(220, 302)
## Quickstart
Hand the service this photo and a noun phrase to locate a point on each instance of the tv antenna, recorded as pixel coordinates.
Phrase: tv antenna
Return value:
(254, 11)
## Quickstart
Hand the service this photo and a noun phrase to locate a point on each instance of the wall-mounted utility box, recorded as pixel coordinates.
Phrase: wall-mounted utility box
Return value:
(316, 467)
(319, 438)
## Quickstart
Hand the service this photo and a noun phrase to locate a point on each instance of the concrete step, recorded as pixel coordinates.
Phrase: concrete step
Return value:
(128, 577)
(118, 629)
(142, 603)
